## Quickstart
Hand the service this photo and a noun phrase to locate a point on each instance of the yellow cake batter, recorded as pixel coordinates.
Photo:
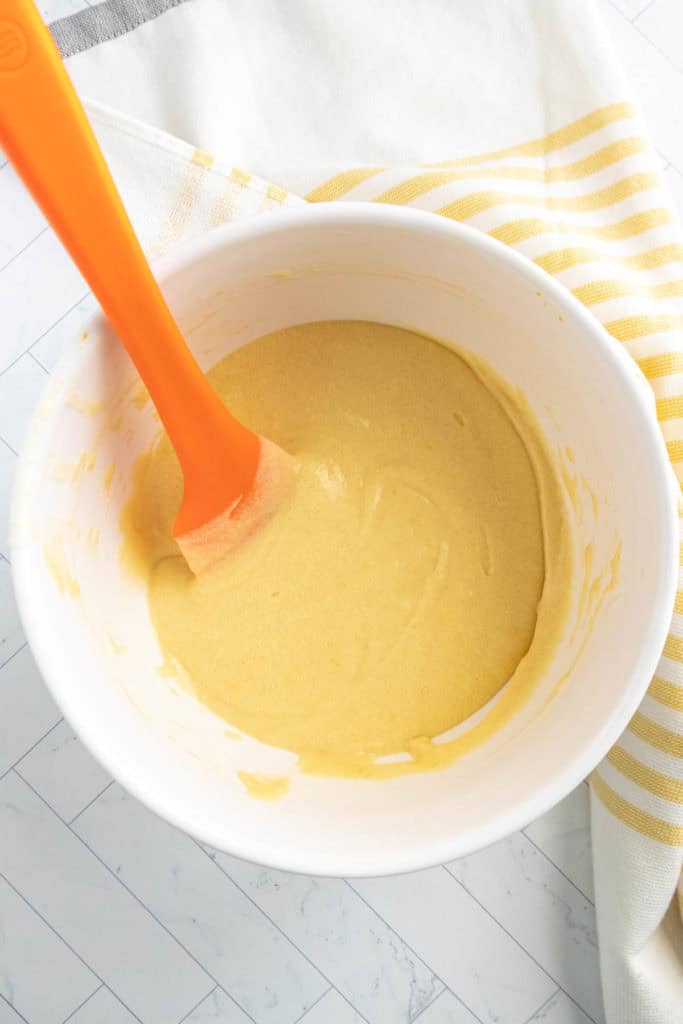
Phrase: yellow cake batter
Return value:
(398, 589)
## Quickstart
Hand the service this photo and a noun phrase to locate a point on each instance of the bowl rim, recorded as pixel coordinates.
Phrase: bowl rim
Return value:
(556, 784)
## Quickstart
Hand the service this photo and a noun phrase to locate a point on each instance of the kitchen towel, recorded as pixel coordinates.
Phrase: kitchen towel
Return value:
(510, 115)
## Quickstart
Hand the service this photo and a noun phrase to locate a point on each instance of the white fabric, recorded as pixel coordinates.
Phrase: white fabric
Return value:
(300, 88)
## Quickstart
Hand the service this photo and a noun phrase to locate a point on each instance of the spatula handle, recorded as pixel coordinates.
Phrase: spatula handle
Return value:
(47, 137)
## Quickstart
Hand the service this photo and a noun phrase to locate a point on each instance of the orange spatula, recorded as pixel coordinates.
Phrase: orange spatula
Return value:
(234, 480)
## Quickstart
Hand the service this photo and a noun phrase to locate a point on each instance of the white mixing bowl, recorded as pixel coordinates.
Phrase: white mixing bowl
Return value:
(89, 625)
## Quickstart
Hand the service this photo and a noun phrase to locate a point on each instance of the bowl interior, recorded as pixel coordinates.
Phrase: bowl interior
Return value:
(89, 624)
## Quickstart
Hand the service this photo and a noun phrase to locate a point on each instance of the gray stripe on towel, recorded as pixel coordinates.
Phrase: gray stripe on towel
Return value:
(105, 21)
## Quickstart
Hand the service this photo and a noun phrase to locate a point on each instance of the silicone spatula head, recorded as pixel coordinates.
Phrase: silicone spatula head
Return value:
(210, 526)
(233, 480)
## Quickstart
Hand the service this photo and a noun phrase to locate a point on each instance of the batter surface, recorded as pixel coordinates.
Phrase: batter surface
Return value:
(398, 589)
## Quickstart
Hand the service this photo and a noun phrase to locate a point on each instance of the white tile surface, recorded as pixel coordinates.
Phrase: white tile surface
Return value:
(218, 1008)
(542, 910)
(85, 904)
(35, 290)
(447, 1009)
(39, 976)
(469, 950)
(353, 947)
(21, 219)
(631, 8)
(560, 1010)
(563, 834)
(333, 1009)
(192, 897)
(62, 771)
(8, 462)
(102, 1008)
(11, 633)
(50, 345)
(20, 388)
(662, 23)
(8, 1015)
(27, 711)
(655, 81)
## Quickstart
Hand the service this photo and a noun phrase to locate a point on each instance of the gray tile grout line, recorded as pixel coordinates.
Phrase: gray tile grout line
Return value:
(247, 896)
(302, 1018)
(519, 944)
(672, 167)
(89, 803)
(19, 1015)
(23, 249)
(440, 996)
(102, 983)
(130, 892)
(277, 927)
(14, 767)
(118, 998)
(221, 988)
(17, 772)
(52, 327)
(542, 1007)
(647, 7)
(54, 931)
(17, 768)
(107, 988)
(199, 1003)
(633, 23)
(81, 1005)
(36, 360)
(35, 357)
(16, 360)
(26, 353)
(7, 446)
(415, 953)
(550, 860)
(661, 53)
(29, 351)
(435, 1000)
(13, 656)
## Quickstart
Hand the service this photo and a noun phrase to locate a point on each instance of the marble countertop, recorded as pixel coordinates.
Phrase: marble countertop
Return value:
(110, 916)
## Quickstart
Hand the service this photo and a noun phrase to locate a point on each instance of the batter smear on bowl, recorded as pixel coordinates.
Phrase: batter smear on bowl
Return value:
(418, 567)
